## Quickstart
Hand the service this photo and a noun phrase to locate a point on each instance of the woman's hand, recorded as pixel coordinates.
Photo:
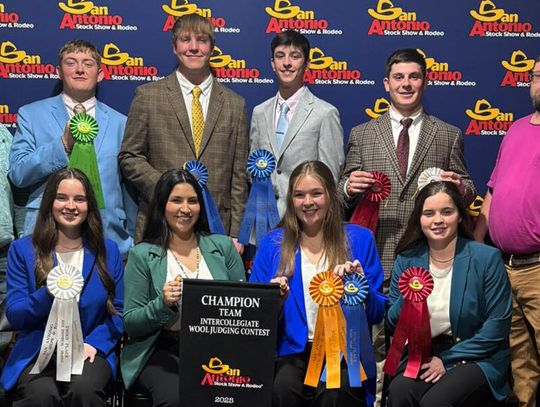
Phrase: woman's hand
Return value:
(434, 370)
(283, 286)
(89, 352)
(348, 267)
(172, 291)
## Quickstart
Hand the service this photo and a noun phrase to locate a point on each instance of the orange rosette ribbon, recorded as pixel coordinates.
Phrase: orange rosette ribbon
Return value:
(366, 212)
(413, 328)
(326, 289)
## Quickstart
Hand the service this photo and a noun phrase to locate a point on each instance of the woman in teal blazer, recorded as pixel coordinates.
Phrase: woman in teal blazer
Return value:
(176, 245)
(470, 306)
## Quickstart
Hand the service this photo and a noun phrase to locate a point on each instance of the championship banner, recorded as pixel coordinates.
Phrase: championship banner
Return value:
(228, 343)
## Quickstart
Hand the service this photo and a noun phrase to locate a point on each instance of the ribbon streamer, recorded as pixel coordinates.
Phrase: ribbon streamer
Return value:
(63, 329)
(261, 208)
(200, 172)
(415, 284)
(326, 289)
(366, 212)
(84, 129)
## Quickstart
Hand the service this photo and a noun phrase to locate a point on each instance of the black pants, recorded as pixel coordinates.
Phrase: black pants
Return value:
(289, 389)
(86, 390)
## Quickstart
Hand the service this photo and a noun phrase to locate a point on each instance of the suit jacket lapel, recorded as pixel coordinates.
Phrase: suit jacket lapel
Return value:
(213, 258)
(59, 112)
(88, 262)
(176, 99)
(157, 264)
(269, 126)
(387, 139)
(428, 133)
(297, 286)
(459, 281)
(214, 109)
(303, 110)
(102, 117)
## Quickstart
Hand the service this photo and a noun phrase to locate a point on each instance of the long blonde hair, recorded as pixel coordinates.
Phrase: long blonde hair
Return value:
(336, 245)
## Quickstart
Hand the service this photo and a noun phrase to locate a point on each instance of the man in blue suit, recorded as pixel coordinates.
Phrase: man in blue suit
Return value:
(43, 142)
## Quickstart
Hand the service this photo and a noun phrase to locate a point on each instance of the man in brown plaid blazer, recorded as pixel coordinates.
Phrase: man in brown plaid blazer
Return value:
(372, 147)
(159, 128)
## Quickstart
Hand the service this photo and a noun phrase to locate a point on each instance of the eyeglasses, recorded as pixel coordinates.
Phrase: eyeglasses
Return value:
(534, 77)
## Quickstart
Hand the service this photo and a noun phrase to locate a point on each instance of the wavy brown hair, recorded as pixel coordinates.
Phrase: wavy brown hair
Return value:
(45, 235)
(336, 244)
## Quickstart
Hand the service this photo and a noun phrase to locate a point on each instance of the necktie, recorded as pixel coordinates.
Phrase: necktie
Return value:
(402, 149)
(79, 108)
(282, 125)
(197, 119)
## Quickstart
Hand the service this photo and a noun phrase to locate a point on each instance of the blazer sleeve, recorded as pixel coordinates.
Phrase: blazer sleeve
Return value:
(105, 336)
(331, 142)
(458, 165)
(266, 260)
(254, 132)
(233, 262)
(353, 162)
(144, 313)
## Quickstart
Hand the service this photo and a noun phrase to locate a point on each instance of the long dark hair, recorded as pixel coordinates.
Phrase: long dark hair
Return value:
(45, 235)
(413, 234)
(156, 229)
(336, 246)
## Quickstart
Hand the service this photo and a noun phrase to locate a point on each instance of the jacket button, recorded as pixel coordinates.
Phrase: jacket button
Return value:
(458, 339)
(278, 171)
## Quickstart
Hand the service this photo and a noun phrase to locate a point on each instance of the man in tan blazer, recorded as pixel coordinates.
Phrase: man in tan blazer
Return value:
(160, 134)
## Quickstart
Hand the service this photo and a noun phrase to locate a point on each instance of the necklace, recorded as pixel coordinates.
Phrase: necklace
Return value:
(185, 273)
(441, 261)
(70, 248)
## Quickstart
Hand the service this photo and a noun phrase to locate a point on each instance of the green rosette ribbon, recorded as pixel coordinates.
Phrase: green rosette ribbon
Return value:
(84, 129)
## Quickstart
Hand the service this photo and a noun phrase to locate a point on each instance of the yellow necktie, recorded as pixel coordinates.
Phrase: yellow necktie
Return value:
(197, 119)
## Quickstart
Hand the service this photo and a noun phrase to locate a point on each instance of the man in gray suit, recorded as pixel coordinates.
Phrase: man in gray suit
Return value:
(295, 125)
(379, 145)
(186, 116)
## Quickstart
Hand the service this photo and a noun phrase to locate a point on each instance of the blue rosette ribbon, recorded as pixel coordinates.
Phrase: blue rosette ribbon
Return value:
(200, 172)
(360, 355)
(261, 208)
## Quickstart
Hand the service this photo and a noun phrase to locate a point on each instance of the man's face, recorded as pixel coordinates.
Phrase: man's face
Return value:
(193, 51)
(289, 64)
(80, 74)
(406, 85)
(535, 86)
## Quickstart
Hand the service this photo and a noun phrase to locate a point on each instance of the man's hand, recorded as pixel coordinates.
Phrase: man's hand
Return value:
(359, 182)
(67, 139)
(455, 178)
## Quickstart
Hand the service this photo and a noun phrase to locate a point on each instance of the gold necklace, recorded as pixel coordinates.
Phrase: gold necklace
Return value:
(70, 248)
(441, 261)
(183, 272)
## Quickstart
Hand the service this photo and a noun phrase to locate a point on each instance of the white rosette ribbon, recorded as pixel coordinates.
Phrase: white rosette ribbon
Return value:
(63, 329)
(429, 175)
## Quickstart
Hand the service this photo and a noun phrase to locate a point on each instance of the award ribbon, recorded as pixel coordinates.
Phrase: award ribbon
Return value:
(63, 329)
(261, 207)
(366, 212)
(413, 326)
(200, 172)
(84, 129)
(326, 289)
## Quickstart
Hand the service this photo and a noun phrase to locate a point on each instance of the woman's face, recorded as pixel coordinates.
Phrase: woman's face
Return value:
(439, 219)
(70, 208)
(182, 210)
(310, 203)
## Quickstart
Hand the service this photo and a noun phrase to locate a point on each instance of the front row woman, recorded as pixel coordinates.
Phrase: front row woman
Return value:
(68, 231)
(470, 306)
(176, 244)
(312, 238)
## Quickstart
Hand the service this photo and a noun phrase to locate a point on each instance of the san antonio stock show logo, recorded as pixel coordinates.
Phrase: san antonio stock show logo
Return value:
(488, 120)
(517, 70)
(18, 64)
(120, 66)
(226, 69)
(439, 73)
(6, 118)
(496, 22)
(84, 15)
(219, 374)
(178, 8)
(11, 19)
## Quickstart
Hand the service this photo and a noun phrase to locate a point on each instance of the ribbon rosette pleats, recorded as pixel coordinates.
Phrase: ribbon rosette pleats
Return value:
(63, 330)
(200, 172)
(84, 129)
(429, 175)
(415, 284)
(360, 356)
(366, 212)
(261, 208)
(326, 289)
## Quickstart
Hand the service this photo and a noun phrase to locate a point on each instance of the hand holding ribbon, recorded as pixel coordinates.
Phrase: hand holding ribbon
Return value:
(366, 212)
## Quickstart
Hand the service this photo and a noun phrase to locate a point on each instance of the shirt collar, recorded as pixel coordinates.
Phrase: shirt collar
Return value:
(292, 102)
(395, 117)
(70, 103)
(186, 86)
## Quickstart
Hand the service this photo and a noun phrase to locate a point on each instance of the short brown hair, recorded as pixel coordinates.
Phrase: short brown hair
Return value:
(79, 46)
(193, 23)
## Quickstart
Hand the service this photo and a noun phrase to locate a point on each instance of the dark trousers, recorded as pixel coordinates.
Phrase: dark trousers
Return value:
(86, 390)
(159, 378)
(289, 389)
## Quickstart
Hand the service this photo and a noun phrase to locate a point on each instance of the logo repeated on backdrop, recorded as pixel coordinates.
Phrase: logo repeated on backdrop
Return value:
(178, 8)
(6, 118)
(226, 69)
(440, 74)
(487, 120)
(84, 15)
(324, 70)
(517, 70)
(12, 19)
(120, 66)
(216, 373)
(390, 20)
(379, 108)
(496, 22)
(17, 64)
(286, 16)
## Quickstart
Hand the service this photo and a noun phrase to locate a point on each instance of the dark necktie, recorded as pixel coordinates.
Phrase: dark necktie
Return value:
(402, 149)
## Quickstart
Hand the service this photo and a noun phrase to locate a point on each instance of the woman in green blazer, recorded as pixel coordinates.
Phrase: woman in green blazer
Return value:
(176, 245)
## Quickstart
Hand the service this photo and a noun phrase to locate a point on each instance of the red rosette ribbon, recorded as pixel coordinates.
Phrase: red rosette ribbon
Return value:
(413, 326)
(366, 212)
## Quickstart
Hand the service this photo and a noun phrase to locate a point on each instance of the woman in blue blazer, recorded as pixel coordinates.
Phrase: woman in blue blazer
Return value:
(470, 306)
(68, 231)
(312, 238)
(176, 244)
